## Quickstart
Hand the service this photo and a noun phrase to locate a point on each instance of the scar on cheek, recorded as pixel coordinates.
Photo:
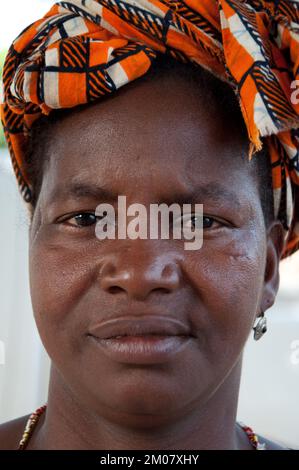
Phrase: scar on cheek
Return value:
(245, 255)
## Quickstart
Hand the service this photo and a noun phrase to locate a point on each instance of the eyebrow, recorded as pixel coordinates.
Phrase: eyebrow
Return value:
(81, 190)
(209, 191)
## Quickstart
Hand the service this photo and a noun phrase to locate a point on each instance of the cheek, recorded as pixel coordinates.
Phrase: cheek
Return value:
(59, 277)
(227, 279)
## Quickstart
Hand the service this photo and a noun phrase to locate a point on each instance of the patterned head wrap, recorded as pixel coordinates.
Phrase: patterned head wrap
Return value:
(82, 50)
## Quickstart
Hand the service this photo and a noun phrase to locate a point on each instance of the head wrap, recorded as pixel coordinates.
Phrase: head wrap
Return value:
(82, 50)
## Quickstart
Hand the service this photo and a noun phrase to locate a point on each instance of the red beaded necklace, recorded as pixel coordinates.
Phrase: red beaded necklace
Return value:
(30, 426)
(34, 417)
(253, 437)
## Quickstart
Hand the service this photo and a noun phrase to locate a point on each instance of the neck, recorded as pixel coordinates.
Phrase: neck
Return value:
(210, 424)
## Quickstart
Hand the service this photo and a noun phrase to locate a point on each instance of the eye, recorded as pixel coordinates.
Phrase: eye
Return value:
(209, 221)
(82, 219)
(198, 221)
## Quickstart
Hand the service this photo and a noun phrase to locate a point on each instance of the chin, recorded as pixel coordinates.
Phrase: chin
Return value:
(141, 400)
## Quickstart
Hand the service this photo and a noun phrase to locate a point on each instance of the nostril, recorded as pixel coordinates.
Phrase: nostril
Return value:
(114, 289)
(163, 290)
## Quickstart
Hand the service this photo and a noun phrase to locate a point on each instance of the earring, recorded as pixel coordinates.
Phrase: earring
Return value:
(261, 327)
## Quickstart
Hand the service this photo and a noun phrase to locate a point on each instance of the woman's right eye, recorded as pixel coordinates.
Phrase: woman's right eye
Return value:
(82, 219)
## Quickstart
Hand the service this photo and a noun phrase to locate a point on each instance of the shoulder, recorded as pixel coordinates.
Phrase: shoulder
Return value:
(11, 433)
(271, 445)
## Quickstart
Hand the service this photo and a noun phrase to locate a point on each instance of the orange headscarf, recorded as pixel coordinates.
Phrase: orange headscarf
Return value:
(84, 49)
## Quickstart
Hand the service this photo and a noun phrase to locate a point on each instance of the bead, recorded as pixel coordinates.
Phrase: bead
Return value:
(30, 426)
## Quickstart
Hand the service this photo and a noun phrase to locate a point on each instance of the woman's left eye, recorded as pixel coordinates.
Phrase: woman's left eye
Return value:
(196, 221)
(84, 219)
(207, 222)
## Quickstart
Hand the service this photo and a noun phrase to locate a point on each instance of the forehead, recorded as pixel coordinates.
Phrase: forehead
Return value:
(150, 133)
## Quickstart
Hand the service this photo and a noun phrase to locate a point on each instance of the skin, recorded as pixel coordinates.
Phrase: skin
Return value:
(132, 144)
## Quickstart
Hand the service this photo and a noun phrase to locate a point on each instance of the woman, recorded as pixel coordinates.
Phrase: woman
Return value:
(146, 338)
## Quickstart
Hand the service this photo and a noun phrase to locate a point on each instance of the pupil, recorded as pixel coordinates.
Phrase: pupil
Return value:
(196, 222)
(85, 219)
(210, 221)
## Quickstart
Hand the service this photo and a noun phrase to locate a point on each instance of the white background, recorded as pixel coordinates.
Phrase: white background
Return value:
(270, 381)
(15, 15)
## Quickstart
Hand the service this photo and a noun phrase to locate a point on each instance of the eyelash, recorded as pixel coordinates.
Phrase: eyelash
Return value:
(73, 216)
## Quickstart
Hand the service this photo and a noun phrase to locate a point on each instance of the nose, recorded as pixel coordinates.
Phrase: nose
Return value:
(138, 274)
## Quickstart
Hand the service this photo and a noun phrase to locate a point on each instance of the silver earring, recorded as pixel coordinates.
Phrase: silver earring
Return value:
(260, 327)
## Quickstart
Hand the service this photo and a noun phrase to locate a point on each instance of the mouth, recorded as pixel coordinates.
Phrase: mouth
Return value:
(145, 336)
(142, 340)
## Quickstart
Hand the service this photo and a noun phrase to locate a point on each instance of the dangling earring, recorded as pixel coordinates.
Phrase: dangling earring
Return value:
(261, 327)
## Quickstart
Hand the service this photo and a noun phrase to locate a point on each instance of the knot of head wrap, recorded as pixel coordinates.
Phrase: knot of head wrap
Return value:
(82, 50)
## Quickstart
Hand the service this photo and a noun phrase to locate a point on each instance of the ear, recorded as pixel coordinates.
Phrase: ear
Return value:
(275, 244)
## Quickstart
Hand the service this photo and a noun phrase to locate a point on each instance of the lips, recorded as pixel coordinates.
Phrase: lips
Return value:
(149, 339)
(140, 326)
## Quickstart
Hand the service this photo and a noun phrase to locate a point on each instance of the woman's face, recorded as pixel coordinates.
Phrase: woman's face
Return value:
(154, 142)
